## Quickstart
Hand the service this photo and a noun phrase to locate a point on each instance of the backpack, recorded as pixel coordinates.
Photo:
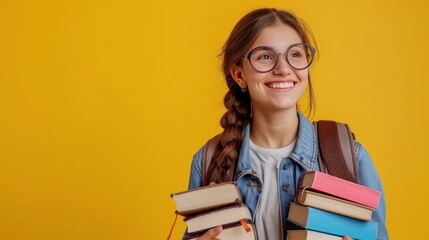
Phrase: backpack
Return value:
(337, 155)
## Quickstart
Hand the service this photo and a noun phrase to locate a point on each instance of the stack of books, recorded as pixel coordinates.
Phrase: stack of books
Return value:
(327, 207)
(210, 206)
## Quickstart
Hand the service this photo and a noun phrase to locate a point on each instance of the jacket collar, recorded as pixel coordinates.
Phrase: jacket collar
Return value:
(305, 152)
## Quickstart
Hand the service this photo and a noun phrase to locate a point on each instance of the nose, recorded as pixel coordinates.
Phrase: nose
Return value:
(282, 66)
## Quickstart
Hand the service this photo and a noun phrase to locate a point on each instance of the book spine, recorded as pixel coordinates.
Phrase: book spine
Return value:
(196, 234)
(213, 209)
(201, 211)
(310, 235)
(331, 223)
(203, 187)
(334, 204)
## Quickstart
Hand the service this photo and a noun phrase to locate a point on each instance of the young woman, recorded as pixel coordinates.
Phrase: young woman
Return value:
(269, 142)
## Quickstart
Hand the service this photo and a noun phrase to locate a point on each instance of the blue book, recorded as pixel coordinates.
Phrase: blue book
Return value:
(331, 223)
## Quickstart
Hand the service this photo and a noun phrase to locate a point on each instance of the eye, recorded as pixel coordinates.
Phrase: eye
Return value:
(265, 57)
(295, 54)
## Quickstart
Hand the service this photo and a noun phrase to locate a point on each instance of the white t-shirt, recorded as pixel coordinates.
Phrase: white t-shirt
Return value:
(266, 163)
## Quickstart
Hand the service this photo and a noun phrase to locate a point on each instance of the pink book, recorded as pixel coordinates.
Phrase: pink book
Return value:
(341, 188)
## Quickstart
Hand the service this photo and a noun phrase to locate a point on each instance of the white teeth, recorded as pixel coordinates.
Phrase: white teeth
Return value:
(280, 85)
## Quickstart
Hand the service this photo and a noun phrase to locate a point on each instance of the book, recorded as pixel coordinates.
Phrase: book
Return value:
(310, 235)
(331, 223)
(210, 206)
(205, 198)
(334, 204)
(219, 216)
(232, 231)
(341, 188)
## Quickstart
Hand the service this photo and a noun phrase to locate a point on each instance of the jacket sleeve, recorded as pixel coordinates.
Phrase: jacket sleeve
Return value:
(369, 177)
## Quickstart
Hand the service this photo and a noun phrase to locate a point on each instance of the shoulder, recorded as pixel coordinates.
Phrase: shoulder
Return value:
(196, 160)
(195, 178)
(197, 165)
(361, 153)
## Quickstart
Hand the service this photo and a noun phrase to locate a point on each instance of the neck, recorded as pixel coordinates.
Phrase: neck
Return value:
(274, 130)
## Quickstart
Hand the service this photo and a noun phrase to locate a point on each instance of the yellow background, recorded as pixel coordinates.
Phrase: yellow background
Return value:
(103, 104)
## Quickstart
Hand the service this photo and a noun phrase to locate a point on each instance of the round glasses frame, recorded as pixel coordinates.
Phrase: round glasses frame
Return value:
(312, 49)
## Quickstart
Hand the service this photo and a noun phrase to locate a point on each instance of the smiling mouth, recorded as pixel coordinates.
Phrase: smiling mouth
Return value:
(280, 85)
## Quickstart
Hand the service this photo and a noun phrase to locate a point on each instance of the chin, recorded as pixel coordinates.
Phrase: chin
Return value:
(288, 106)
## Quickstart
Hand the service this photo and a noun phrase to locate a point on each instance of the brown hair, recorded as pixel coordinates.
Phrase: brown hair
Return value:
(236, 102)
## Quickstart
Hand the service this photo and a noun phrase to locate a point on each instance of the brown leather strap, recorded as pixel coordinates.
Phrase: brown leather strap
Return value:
(336, 150)
(347, 142)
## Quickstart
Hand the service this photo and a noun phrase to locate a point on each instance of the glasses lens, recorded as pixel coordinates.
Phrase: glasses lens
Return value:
(263, 59)
(300, 56)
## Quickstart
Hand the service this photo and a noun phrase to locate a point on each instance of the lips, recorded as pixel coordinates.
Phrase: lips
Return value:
(280, 85)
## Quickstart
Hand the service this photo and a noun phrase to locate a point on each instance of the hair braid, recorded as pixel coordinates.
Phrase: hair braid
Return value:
(233, 121)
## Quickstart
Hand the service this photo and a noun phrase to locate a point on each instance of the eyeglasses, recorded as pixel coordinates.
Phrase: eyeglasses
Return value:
(264, 59)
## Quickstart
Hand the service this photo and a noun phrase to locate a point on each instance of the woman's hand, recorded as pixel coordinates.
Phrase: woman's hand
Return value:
(347, 238)
(211, 234)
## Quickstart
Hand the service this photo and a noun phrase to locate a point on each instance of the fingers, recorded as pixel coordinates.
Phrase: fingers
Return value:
(211, 234)
(347, 238)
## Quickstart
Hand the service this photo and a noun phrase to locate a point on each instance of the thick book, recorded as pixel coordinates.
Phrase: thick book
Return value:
(334, 204)
(232, 231)
(219, 216)
(331, 223)
(206, 198)
(341, 188)
(310, 235)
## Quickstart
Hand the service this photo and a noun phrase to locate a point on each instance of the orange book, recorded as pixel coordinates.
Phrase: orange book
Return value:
(328, 184)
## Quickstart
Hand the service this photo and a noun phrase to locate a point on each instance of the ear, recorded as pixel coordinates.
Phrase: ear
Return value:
(237, 74)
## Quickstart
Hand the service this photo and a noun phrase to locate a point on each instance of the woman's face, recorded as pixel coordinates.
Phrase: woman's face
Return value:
(280, 88)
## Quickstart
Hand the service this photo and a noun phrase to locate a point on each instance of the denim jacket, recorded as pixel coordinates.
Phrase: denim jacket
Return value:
(303, 158)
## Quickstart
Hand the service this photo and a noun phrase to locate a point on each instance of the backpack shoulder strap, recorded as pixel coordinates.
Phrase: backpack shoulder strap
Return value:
(208, 151)
(337, 155)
